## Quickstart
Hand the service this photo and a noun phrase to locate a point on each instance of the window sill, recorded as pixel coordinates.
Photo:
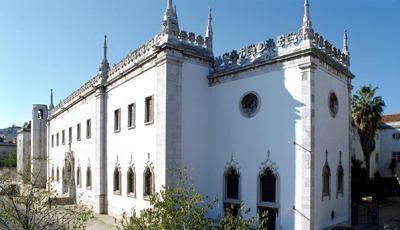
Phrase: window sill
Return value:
(117, 130)
(88, 137)
(131, 127)
(326, 195)
(89, 188)
(117, 193)
(131, 195)
(147, 197)
(149, 123)
(232, 201)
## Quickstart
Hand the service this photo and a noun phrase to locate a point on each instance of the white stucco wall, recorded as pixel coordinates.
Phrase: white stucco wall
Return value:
(195, 125)
(23, 153)
(131, 146)
(275, 125)
(84, 150)
(332, 135)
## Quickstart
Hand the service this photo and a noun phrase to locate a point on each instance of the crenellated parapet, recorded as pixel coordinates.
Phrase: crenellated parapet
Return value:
(88, 85)
(136, 56)
(325, 46)
(263, 50)
(285, 44)
(190, 38)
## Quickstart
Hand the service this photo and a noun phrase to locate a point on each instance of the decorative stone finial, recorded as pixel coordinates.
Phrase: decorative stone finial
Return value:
(306, 29)
(105, 46)
(346, 51)
(104, 66)
(170, 22)
(51, 106)
(345, 45)
(209, 31)
(169, 4)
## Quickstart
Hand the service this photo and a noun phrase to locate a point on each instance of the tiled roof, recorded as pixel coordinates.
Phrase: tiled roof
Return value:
(391, 118)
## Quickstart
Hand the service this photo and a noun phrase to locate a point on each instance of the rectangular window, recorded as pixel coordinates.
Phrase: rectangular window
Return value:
(131, 115)
(70, 135)
(117, 120)
(149, 110)
(57, 139)
(88, 129)
(396, 155)
(78, 131)
(63, 137)
(52, 141)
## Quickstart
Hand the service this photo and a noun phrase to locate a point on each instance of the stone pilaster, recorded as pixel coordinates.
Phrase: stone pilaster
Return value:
(169, 114)
(307, 142)
(99, 177)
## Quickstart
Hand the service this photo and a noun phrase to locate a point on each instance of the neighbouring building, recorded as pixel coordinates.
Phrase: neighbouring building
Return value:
(387, 146)
(24, 151)
(267, 124)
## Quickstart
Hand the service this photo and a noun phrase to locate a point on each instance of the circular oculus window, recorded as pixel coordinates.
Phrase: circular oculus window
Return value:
(250, 104)
(333, 104)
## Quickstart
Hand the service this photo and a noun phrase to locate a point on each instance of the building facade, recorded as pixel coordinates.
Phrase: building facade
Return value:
(267, 125)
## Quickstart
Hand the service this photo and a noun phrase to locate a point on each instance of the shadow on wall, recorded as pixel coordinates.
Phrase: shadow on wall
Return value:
(250, 138)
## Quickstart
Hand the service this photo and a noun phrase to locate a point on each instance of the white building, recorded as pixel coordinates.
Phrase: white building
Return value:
(267, 124)
(389, 144)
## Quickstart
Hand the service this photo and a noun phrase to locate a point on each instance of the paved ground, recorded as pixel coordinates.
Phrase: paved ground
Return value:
(389, 215)
(101, 222)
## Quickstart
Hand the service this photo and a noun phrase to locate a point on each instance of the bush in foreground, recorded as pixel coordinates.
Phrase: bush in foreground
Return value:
(31, 209)
(182, 207)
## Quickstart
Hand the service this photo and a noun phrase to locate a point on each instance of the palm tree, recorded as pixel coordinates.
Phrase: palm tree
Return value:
(366, 112)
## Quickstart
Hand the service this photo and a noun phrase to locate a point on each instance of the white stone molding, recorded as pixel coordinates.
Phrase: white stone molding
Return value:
(232, 164)
(269, 164)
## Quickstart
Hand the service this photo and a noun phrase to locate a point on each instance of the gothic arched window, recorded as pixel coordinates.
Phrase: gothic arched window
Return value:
(58, 174)
(89, 178)
(340, 176)
(148, 183)
(232, 191)
(78, 177)
(267, 197)
(131, 183)
(326, 181)
(117, 181)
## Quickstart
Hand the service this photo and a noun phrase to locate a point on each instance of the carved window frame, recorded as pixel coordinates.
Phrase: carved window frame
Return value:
(79, 177)
(117, 120)
(132, 115)
(273, 167)
(117, 176)
(149, 110)
(326, 181)
(340, 178)
(146, 196)
(232, 165)
(253, 113)
(89, 178)
(333, 113)
(131, 182)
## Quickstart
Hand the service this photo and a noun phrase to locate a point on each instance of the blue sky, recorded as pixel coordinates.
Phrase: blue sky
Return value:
(48, 44)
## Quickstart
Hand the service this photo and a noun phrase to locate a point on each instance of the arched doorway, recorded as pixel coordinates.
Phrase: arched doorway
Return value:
(69, 188)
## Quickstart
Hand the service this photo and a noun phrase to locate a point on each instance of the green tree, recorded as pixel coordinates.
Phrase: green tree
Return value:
(182, 207)
(366, 112)
(30, 208)
(392, 167)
